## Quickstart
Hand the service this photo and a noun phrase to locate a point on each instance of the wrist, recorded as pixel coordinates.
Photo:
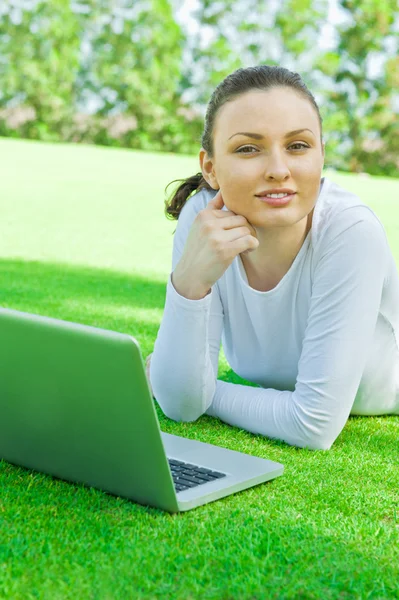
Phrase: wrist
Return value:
(188, 290)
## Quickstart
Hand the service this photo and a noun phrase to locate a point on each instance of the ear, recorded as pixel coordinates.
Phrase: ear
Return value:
(208, 169)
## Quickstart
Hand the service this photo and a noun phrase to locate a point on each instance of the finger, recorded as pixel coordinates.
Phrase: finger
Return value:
(217, 202)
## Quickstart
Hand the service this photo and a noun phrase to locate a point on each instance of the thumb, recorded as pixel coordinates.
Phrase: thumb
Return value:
(216, 202)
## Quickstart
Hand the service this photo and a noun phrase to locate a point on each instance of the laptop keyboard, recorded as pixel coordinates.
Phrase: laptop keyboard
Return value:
(186, 475)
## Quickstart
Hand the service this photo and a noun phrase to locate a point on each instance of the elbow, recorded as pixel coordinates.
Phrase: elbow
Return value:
(182, 414)
(316, 438)
(178, 412)
(316, 430)
(318, 444)
(181, 404)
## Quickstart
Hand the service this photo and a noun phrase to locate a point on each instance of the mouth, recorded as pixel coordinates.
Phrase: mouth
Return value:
(276, 193)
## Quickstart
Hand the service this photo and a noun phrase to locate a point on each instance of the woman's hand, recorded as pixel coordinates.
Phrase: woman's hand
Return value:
(147, 370)
(216, 237)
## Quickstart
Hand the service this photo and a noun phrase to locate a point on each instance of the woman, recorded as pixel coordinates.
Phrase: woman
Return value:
(290, 271)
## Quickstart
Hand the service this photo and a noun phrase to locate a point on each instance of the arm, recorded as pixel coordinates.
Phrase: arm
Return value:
(184, 363)
(345, 302)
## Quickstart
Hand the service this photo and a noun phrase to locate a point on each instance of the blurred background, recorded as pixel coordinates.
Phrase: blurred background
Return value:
(139, 73)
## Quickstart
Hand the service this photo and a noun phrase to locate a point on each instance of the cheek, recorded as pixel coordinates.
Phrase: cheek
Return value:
(233, 183)
(310, 166)
(239, 175)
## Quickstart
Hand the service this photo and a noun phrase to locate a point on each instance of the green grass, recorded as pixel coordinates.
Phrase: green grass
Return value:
(83, 238)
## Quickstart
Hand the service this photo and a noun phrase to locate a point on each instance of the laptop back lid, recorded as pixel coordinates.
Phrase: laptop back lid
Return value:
(76, 404)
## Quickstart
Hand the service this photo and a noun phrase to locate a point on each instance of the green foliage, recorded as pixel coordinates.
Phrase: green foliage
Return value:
(298, 32)
(134, 68)
(55, 57)
(40, 61)
(360, 105)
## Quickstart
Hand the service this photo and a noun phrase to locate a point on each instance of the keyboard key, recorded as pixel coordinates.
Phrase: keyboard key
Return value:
(192, 479)
(198, 475)
(199, 480)
(189, 484)
(190, 473)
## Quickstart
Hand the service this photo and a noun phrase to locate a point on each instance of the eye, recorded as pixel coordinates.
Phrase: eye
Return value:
(300, 144)
(244, 147)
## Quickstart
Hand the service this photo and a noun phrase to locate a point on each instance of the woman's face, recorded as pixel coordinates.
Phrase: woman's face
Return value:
(265, 140)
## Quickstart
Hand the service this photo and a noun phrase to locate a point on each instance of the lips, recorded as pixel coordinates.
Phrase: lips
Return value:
(285, 191)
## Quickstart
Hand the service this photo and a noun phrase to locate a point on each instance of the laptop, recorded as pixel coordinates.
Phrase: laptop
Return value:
(75, 403)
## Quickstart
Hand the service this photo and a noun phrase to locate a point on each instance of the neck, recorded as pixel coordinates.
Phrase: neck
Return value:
(278, 248)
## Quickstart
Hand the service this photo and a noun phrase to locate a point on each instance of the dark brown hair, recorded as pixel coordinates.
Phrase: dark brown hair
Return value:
(262, 77)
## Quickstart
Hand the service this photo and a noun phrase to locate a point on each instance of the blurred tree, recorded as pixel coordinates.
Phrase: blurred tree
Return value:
(56, 56)
(241, 33)
(39, 61)
(132, 68)
(360, 107)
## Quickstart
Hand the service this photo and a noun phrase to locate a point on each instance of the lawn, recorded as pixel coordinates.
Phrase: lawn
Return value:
(83, 237)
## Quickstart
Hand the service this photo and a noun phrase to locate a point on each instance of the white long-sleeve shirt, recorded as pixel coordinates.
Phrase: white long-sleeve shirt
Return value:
(321, 345)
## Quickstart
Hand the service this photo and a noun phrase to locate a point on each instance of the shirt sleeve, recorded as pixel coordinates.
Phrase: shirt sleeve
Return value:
(184, 363)
(345, 302)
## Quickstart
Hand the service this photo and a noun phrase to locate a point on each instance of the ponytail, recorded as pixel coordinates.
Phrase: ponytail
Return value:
(175, 203)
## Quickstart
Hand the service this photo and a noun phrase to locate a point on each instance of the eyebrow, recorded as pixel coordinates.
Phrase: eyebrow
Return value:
(257, 136)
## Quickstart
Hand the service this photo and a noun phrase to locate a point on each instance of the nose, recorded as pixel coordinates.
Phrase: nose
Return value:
(276, 166)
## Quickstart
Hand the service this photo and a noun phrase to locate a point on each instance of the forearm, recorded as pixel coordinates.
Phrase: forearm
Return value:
(181, 373)
(273, 413)
(192, 290)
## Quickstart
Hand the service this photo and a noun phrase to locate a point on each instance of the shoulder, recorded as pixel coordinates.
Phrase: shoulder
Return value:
(191, 208)
(187, 216)
(340, 212)
(196, 203)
